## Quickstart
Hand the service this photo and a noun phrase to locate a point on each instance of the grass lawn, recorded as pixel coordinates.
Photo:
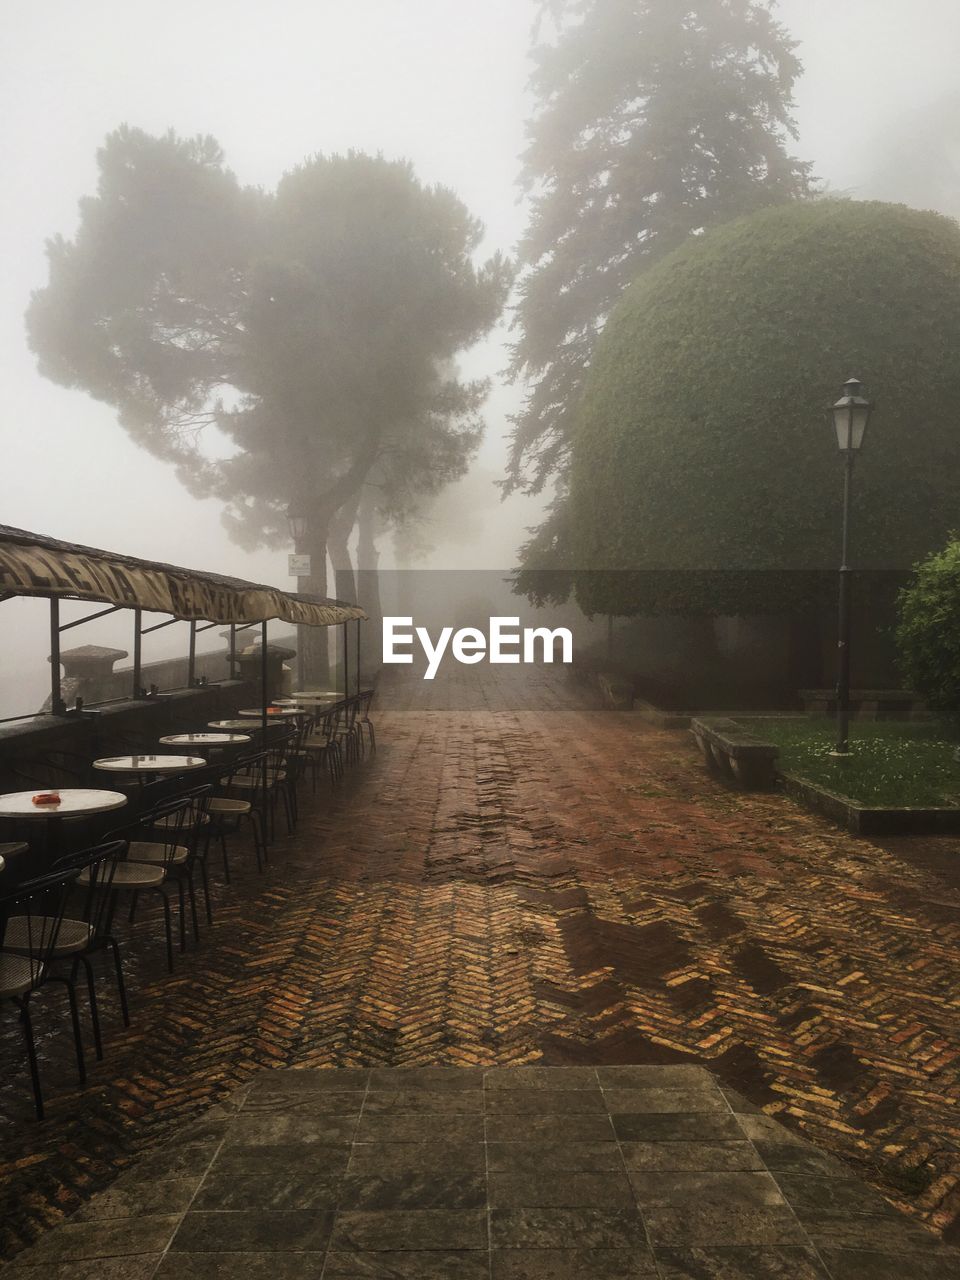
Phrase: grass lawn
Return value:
(894, 763)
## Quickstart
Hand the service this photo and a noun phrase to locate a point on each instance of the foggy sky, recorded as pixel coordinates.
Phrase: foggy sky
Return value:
(441, 82)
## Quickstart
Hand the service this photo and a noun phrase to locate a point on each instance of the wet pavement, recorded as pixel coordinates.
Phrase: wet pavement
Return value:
(518, 878)
(516, 1173)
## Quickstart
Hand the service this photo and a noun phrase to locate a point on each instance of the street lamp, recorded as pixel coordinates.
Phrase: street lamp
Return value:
(298, 527)
(851, 415)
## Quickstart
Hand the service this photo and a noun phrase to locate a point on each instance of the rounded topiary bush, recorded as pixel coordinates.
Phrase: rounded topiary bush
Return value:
(704, 441)
(928, 633)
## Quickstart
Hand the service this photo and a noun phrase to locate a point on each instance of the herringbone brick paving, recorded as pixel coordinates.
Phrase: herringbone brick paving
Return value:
(517, 879)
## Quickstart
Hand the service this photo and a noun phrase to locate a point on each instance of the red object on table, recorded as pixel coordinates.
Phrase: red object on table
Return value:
(47, 797)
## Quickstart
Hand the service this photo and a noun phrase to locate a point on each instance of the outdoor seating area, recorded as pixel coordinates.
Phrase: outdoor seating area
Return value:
(82, 865)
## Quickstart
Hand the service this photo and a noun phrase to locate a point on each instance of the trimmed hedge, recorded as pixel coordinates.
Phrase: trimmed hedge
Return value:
(928, 634)
(705, 473)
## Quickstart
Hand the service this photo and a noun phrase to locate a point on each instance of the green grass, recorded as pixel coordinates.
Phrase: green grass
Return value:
(892, 763)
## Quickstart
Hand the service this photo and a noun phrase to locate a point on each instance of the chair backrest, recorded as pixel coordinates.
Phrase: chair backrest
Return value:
(252, 765)
(100, 864)
(166, 825)
(38, 907)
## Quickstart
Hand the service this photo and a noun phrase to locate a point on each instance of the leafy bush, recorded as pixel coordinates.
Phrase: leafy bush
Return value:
(706, 477)
(928, 634)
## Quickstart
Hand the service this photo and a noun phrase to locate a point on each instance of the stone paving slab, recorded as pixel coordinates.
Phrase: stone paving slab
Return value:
(291, 1187)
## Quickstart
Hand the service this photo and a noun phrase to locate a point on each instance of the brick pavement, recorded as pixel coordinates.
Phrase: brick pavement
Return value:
(517, 879)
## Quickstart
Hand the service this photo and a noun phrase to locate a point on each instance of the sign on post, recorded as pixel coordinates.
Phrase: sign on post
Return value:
(298, 566)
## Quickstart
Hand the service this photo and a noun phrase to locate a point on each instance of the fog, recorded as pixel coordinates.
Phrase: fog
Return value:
(441, 83)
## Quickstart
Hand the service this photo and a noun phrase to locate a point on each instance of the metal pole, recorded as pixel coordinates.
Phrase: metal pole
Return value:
(346, 662)
(843, 642)
(233, 651)
(265, 819)
(56, 696)
(137, 650)
(192, 655)
(358, 657)
(263, 677)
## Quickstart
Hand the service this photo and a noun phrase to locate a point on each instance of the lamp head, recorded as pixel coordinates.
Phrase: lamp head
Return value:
(851, 415)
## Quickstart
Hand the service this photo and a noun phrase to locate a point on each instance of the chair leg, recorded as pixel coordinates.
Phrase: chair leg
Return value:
(182, 903)
(75, 1019)
(121, 985)
(27, 1025)
(94, 1011)
(77, 1040)
(167, 926)
(206, 889)
(192, 895)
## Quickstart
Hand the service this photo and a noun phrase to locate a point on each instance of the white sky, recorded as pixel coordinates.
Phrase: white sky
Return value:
(441, 82)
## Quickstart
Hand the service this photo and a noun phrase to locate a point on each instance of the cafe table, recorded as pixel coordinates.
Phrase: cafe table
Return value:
(145, 766)
(74, 802)
(273, 713)
(318, 695)
(204, 741)
(229, 726)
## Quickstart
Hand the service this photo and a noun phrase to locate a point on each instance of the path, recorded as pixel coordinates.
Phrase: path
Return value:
(550, 883)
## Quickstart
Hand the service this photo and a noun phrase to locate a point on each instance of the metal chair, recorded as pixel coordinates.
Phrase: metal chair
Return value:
(148, 862)
(91, 933)
(30, 927)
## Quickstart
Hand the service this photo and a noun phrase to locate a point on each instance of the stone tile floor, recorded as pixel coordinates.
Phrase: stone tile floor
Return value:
(517, 1173)
(518, 878)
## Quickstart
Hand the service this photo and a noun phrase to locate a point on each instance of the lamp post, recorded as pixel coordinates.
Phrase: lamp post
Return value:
(851, 414)
(298, 523)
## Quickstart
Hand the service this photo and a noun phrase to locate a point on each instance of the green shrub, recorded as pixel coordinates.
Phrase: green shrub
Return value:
(705, 471)
(928, 634)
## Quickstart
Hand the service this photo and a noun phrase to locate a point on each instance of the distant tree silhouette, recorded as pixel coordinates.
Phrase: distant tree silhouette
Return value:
(655, 120)
(280, 348)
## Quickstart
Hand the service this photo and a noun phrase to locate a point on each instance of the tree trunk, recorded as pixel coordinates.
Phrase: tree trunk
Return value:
(368, 582)
(338, 542)
(314, 641)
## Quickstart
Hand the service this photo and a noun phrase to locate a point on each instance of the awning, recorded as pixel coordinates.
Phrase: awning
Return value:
(34, 565)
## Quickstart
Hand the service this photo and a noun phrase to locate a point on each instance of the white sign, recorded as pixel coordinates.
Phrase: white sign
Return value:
(298, 566)
(471, 645)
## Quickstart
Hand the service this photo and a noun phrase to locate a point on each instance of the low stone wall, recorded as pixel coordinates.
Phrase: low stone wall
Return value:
(866, 704)
(730, 752)
(113, 729)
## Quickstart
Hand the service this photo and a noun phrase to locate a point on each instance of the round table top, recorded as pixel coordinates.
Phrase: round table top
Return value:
(203, 739)
(149, 764)
(229, 724)
(328, 695)
(277, 713)
(73, 800)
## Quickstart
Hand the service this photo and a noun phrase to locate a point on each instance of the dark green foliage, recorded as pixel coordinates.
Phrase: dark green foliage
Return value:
(705, 446)
(928, 634)
(654, 121)
(315, 327)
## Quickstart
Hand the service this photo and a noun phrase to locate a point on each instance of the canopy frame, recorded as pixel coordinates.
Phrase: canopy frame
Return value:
(35, 565)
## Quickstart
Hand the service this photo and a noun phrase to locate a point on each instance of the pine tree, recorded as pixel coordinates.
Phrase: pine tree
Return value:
(656, 119)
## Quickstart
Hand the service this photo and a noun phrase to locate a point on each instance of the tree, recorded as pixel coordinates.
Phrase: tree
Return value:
(928, 634)
(705, 475)
(280, 348)
(656, 119)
